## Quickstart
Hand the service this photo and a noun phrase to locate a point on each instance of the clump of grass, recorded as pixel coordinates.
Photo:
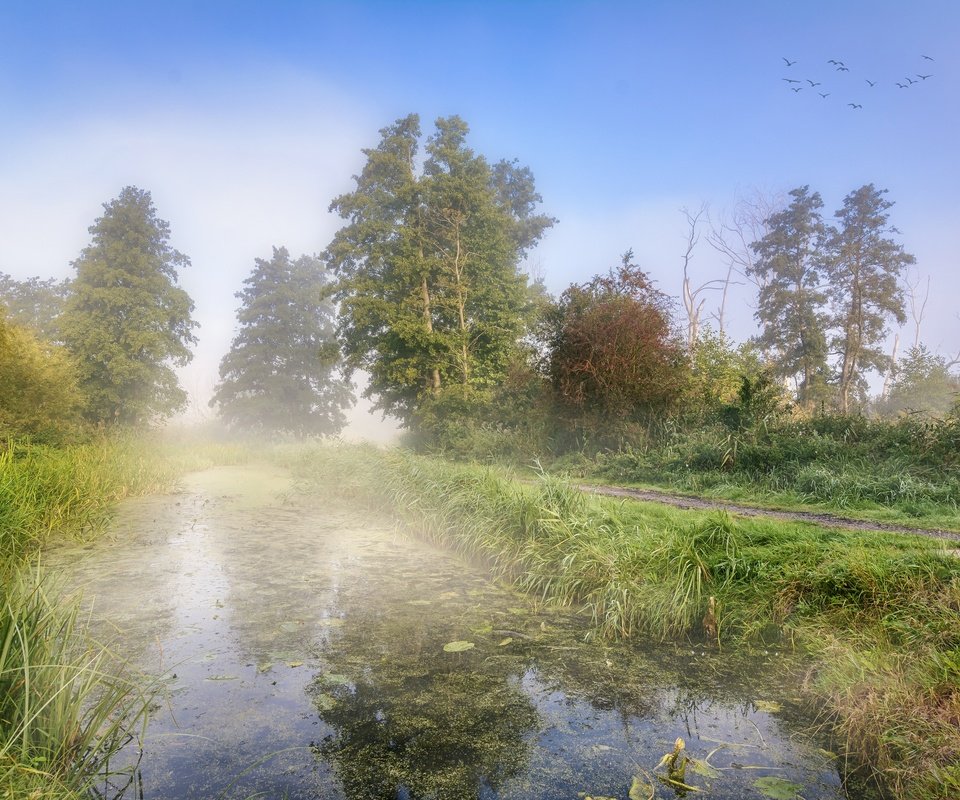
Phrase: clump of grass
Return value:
(65, 706)
(879, 614)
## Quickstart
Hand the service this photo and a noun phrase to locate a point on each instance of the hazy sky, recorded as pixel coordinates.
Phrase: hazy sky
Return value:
(245, 119)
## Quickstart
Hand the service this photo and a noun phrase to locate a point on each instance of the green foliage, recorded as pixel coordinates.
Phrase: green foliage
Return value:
(923, 385)
(281, 372)
(841, 463)
(863, 267)
(717, 369)
(431, 294)
(126, 320)
(34, 303)
(39, 397)
(790, 303)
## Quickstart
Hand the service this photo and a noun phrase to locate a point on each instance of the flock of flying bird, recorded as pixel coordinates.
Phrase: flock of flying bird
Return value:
(839, 66)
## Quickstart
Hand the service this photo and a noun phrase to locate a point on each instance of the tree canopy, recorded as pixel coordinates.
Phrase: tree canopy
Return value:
(34, 303)
(432, 297)
(126, 321)
(281, 373)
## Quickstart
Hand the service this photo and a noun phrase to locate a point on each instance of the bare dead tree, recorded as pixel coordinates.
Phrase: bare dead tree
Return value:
(732, 236)
(918, 306)
(891, 370)
(693, 296)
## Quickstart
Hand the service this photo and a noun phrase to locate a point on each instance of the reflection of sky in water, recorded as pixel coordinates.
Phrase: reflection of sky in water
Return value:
(300, 649)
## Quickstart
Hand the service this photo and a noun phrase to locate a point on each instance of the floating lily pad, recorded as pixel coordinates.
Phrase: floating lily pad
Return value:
(457, 647)
(642, 788)
(701, 767)
(505, 642)
(294, 663)
(777, 788)
(769, 706)
(264, 667)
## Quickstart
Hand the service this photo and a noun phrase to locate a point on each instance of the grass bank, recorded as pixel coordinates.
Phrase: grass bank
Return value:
(878, 614)
(66, 703)
(905, 472)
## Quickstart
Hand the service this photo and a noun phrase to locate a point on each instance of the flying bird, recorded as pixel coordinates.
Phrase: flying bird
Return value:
(835, 63)
(854, 105)
(924, 77)
(812, 84)
(796, 89)
(872, 83)
(843, 69)
(928, 58)
(790, 80)
(789, 62)
(903, 86)
(824, 95)
(910, 81)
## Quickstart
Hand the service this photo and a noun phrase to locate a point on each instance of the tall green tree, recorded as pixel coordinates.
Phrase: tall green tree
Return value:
(863, 269)
(791, 305)
(127, 321)
(34, 303)
(281, 374)
(432, 297)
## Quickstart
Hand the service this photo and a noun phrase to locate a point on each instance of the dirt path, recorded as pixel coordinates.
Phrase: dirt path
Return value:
(700, 503)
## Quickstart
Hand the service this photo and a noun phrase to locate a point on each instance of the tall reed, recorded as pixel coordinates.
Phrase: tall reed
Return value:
(66, 706)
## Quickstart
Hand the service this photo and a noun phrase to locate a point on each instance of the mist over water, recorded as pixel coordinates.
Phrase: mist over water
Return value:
(300, 650)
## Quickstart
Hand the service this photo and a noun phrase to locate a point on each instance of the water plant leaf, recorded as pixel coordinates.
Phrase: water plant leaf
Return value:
(642, 788)
(294, 663)
(264, 667)
(701, 767)
(505, 642)
(777, 788)
(222, 677)
(324, 702)
(335, 679)
(457, 647)
(769, 706)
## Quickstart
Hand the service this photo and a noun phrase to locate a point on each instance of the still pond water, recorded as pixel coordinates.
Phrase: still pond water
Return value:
(309, 650)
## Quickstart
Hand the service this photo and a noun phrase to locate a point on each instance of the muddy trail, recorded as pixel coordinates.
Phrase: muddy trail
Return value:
(813, 517)
(304, 649)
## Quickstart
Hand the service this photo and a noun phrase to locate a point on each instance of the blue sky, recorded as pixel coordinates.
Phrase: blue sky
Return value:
(245, 119)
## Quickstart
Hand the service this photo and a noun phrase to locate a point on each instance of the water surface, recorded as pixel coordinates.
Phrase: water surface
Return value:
(300, 646)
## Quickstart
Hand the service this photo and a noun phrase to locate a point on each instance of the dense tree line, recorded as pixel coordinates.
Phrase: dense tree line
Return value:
(423, 288)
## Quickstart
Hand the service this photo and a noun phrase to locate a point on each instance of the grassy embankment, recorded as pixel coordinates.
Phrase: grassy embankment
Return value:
(66, 704)
(878, 614)
(905, 472)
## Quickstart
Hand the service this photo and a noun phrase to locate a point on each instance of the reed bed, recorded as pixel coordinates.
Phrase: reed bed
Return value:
(65, 706)
(878, 614)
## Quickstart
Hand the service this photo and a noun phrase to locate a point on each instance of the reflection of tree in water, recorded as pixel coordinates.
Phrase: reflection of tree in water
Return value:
(418, 725)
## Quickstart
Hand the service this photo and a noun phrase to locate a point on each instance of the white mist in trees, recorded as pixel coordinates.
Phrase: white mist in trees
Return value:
(126, 321)
(791, 301)
(863, 269)
(282, 372)
(432, 299)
